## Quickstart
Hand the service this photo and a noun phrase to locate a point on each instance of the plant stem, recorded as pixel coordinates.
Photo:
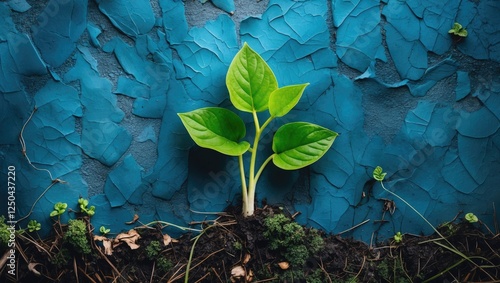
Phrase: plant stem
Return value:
(244, 190)
(249, 194)
(263, 166)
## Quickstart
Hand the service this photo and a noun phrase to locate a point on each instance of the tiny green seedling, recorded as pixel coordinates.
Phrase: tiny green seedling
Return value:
(33, 226)
(83, 203)
(104, 230)
(458, 30)
(471, 217)
(398, 237)
(59, 209)
(253, 88)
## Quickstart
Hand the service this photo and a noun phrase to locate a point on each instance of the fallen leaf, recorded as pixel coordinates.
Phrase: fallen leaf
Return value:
(129, 238)
(247, 258)
(284, 265)
(167, 240)
(31, 267)
(136, 217)
(107, 243)
(237, 273)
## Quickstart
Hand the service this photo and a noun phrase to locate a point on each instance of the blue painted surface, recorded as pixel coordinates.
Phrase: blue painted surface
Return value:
(370, 70)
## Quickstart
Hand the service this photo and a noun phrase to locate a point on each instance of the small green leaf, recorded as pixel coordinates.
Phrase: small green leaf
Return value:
(398, 237)
(250, 81)
(216, 128)
(54, 213)
(104, 230)
(283, 99)
(378, 174)
(462, 33)
(471, 217)
(300, 144)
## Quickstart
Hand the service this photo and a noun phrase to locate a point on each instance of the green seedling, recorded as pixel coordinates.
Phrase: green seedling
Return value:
(379, 175)
(33, 226)
(104, 230)
(59, 209)
(471, 217)
(83, 203)
(458, 30)
(398, 237)
(253, 88)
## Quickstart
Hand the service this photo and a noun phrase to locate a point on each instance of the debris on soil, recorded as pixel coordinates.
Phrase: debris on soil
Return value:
(233, 248)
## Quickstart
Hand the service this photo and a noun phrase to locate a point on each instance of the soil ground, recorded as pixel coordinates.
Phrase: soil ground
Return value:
(236, 249)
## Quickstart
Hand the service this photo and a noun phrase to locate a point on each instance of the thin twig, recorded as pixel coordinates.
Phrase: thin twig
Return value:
(354, 227)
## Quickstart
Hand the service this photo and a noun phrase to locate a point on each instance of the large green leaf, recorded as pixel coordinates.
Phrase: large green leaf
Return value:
(300, 144)
(216, 128)
(283, 99)
(250, 81)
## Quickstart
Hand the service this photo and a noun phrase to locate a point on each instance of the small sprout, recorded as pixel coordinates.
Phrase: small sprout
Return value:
(90, 211)
(471, 217)
(33, 225)
(378, 174)
(104, 230)
(458, 30)
(398, 237)
(59, 209)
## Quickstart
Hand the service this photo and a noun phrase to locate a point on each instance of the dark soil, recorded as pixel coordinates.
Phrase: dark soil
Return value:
(235, 244)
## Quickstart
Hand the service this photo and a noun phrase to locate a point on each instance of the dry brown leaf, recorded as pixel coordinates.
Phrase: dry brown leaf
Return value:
(167, 240)
(247, 258)
(107, 243)
(129, 238)
(136, 217)
(250, 276)
(284, 265)
(31, 267)
(237, 273)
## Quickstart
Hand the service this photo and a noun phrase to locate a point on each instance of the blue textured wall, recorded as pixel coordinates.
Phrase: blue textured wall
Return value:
(108, 77)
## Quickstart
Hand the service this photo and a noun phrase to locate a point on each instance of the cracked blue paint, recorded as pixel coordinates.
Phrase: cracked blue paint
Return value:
(442, 157)
(123, 181)
(58, 28)
(225, 5)
(358, 38)
(94, 32)
(463, 85)
(131, 17)
(102, 137)
(19, 5)
(481, 21)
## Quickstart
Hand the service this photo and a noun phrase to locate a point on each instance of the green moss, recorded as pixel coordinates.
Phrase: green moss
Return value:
(4, 233)
(237, 246)
(291, 238)
(164, 264)
(61, 258)
(153, 250)
(76, 236)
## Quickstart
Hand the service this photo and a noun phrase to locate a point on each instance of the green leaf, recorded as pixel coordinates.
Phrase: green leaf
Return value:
(216, 128)
(250, 81)
(300, 144)
(378, 174)
(462, 33)
(283, 99)
(471, 217)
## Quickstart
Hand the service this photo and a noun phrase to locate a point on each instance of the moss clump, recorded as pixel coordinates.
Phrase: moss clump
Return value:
(153, 249)
(291, 240)
(4, 233)
(76, 236)
(164, 264)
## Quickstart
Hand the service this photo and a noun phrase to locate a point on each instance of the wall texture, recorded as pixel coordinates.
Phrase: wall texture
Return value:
(108, 77)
